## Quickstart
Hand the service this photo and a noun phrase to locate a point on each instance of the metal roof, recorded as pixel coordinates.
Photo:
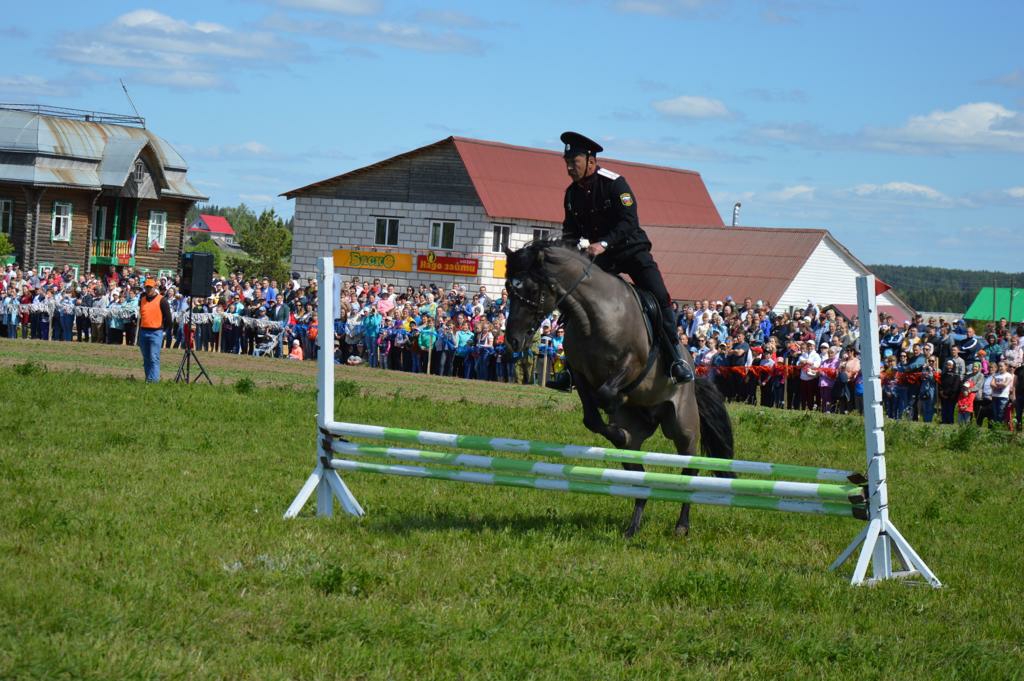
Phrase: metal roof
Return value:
(107, 150)
(216, 224)
(529, 184)
(710, 263)
(1008, 304)
(516, 182)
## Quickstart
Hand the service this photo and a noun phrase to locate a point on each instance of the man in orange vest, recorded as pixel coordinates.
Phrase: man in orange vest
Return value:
(154, 314)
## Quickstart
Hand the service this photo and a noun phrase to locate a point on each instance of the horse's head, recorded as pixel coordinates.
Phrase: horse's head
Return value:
(532, 287)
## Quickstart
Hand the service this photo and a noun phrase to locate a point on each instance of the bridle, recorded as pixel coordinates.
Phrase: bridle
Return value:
(545, 284)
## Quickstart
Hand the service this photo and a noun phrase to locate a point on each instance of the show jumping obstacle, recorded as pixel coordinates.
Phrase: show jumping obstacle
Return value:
(832, 492)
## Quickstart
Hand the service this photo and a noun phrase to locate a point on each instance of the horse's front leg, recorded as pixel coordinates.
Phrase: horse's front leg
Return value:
(592, 418)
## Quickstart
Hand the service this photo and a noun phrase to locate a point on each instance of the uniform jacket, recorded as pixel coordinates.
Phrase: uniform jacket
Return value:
(603, 208)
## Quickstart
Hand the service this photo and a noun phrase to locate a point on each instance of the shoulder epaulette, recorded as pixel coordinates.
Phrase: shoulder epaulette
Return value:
(607, 173)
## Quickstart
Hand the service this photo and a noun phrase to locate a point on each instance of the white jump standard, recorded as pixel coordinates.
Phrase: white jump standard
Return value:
(822, 491)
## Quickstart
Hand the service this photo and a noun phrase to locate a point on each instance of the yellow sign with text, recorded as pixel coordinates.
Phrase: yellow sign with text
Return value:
(373, 260)
(499, 269)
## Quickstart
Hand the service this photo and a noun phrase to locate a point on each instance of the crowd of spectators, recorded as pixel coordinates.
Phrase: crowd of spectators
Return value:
(242, 315)
(802, 359)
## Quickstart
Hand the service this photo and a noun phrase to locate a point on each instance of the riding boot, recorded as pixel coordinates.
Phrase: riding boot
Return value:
(679, 371)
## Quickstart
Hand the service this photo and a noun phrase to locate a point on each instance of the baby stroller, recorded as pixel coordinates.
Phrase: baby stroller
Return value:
(267, 342)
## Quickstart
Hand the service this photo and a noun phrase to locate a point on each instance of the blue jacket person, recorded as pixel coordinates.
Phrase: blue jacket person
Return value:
(601, 208)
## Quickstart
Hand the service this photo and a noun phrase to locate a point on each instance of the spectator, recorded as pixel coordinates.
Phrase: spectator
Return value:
(950, 384)
(1002, 384)
(296, 352)
(809, 362)
(827, 376)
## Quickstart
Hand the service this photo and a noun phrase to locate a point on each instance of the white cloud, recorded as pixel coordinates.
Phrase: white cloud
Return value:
(257, 198)
(395, 34)
(34, 86)
(1016, 192)
(688, 106)
(974, 126)
(159, 49)
(663, 7)
(231, 152)
(355, 7)
(901, 189)
(801, 192)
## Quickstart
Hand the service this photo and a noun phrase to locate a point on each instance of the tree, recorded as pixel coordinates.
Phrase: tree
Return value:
(6, 247)
(209, 246)
(269, 244)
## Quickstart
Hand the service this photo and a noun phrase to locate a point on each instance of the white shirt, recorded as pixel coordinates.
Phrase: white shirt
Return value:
(1007, 380)
(812, 359)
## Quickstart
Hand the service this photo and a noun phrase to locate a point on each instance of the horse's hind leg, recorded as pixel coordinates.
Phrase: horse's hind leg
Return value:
(635, 427)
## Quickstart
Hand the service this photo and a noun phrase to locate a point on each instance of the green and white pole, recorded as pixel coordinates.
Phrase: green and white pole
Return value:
(848, 494)
(629, 491)
(606, 454)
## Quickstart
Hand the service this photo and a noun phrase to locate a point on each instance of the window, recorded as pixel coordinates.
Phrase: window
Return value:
(157, 228)
(44, 268)
(387, 232)
(6, 216)
(60, 223)
(140, 171)
(162, 274)
(442, 234)
(541, 234)
(99, 223)
(501, 233)
(75, 270)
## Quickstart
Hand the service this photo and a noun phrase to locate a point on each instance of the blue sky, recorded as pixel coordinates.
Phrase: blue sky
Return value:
(897, 126)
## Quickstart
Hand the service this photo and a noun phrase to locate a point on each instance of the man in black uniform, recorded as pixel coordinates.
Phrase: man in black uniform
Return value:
(600, 207)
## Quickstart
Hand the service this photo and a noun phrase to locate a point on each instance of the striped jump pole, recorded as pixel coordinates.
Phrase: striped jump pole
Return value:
(606, 454)
(848, 494)
(833, 492)
(630, 491)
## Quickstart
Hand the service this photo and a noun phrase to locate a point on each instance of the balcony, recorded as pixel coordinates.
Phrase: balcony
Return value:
(109, 252)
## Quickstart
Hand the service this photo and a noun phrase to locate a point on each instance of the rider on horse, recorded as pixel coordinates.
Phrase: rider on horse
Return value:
(600, 207)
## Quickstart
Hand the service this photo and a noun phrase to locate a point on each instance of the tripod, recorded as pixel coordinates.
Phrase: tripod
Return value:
(185, 368)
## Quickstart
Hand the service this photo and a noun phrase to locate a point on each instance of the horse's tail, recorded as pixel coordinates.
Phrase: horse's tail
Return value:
(715, 427)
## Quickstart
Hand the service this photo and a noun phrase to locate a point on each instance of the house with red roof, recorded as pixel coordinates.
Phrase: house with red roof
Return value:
(443, 214)
(216, 226)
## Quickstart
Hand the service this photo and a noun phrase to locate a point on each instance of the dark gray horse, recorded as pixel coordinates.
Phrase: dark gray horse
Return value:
(608, 346)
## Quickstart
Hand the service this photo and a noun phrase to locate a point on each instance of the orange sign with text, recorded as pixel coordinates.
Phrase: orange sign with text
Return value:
(373, 260)
(439, 264)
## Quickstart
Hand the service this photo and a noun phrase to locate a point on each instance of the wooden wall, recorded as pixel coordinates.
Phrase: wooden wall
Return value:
(432, 176)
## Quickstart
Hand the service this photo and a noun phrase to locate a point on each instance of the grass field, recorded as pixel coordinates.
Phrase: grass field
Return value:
(141, 537)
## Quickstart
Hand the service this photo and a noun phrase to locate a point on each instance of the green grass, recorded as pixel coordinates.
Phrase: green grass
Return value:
(141, 537)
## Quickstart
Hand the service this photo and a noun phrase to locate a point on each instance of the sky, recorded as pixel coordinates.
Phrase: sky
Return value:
(899, 127)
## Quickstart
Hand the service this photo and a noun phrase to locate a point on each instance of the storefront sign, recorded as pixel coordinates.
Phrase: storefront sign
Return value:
(466, 267)
(373, 260)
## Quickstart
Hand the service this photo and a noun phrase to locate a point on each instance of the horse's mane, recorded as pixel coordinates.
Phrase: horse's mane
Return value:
(525, 259)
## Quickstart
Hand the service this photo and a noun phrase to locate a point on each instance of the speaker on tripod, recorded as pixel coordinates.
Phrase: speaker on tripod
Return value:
(197, 274)
(196, 282)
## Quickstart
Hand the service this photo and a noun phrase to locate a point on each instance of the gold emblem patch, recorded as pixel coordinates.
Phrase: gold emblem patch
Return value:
(627, 199)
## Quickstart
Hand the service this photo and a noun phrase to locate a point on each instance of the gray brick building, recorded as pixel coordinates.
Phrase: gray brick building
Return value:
(443, 213)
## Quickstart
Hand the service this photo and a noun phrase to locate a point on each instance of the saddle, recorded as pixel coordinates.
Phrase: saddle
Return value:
(652, 321)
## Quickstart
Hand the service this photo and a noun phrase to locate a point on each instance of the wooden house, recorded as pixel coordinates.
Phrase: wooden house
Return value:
(91, 190)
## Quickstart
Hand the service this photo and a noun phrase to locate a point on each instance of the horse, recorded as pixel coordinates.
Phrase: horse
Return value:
(613, 356)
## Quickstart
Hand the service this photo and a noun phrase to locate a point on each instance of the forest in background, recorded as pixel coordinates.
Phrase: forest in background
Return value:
(938, 289)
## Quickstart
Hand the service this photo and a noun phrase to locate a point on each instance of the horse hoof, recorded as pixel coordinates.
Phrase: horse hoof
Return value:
(629, 532)
(682, 531)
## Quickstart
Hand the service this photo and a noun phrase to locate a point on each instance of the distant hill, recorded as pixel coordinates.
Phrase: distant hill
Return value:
(938, 288)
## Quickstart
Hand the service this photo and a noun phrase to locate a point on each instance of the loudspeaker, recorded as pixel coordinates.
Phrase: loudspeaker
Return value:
(197, 274)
